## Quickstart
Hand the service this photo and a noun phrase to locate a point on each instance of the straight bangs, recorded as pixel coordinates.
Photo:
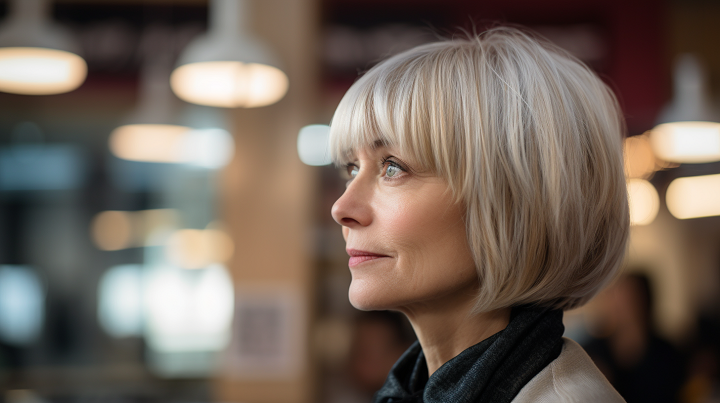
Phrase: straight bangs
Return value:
(399, 103)
(526, 137)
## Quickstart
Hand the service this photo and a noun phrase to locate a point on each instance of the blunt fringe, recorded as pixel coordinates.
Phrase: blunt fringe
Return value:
(527, 137)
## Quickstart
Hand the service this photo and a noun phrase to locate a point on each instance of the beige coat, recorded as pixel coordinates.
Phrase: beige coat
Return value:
(572, 377)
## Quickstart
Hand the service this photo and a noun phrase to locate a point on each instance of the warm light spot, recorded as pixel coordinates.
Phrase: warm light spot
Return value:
(229, 84)
(644, 201)
(312, 145)
(223, 246)
(210, 148)
(692, 197)
(687, 142)
(639, 157)
(115, 230)
(194, 249)
(112, 230)
(154, 227)
(150, 143)
(187, 249)
(40, 71)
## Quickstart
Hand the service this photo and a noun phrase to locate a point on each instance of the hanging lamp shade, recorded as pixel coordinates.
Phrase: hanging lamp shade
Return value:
(688, 129)
(150, 133)
(37, 57)
(227, 68)
(155, 132)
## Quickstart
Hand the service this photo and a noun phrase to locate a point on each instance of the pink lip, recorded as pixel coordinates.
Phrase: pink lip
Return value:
(360, 256)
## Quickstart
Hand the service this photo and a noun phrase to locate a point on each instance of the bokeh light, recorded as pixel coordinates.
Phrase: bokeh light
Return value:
(120, 310)
(693, 197)
(687, 142)
(112, 230)
(148, 142)
(644, 201)
(312, 144)
(229, 84)
(115, 230)
(22, 303)
(188, 310)
(40, 71)
(194, 249)
(639, 157)
(210, 148)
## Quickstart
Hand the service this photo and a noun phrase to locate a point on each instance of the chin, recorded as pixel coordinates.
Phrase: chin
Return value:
(363, 305)
(368, 298)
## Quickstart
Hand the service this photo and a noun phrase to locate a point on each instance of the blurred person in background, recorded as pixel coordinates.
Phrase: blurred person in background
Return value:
(379, 339)
(486, 196)
(703, 384)
(641, 365)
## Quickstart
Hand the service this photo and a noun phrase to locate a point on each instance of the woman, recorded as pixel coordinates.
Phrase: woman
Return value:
(486, 196)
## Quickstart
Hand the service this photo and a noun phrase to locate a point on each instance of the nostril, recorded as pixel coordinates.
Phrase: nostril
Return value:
(352, 209)
(349, 222)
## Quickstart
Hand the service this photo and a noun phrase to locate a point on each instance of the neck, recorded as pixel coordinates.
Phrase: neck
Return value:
(445, 330)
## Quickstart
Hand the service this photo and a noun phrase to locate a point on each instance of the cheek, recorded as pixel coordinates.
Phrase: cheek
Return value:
(432, 237)
(425, 226)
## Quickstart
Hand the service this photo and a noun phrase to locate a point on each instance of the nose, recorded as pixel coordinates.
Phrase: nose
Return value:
(353, 209)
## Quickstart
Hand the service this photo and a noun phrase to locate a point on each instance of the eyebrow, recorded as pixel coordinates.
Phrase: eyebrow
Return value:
(379, 143)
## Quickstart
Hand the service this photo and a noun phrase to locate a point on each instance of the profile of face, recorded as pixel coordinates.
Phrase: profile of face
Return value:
(405, 235)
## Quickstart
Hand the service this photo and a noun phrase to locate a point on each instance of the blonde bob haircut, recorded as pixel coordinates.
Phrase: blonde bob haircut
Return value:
(527, 137)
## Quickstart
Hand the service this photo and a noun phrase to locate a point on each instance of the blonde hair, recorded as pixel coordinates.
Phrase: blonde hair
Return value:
(527, 137)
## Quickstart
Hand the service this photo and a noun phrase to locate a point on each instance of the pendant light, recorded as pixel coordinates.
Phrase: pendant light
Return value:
(227, 68)
(155, 132)
(37, 57)
(150, 134)
(694, 196)
(689, 131)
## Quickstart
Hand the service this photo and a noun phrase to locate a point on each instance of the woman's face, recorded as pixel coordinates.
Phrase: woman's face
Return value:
(404, 233)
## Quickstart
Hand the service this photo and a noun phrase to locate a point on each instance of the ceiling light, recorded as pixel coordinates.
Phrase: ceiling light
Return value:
(150, 135)
(36, 57)
(693, 197)
(688, 142)
(688, 132)
(225, 67)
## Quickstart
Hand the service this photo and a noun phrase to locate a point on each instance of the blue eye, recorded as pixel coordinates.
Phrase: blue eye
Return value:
(352, 171)
(392, 170)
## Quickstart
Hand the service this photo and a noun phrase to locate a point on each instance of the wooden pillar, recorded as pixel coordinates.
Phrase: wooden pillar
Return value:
(266, 201)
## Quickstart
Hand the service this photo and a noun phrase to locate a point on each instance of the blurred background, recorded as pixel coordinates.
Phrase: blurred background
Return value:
(165, 194)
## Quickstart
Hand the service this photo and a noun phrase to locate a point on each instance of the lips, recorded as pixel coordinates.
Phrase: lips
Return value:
(360, 256)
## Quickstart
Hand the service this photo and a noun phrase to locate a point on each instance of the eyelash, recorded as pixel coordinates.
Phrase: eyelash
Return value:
(384, 164)
(388, 162)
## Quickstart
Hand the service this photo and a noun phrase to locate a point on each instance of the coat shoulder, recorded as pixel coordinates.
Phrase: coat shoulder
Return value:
(571, 377)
